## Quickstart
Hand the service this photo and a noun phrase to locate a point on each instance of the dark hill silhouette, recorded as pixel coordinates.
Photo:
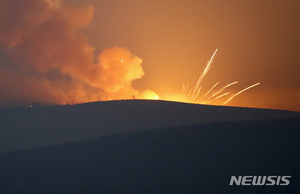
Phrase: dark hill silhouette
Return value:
(24, 127)
(184, 159)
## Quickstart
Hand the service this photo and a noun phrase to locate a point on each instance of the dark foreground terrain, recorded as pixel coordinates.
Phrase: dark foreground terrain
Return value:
(25, 127)
(187, 159)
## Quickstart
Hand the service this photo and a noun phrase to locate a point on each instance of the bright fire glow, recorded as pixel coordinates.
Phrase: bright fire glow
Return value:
(148, 94)
(209, 97)
(53, 62)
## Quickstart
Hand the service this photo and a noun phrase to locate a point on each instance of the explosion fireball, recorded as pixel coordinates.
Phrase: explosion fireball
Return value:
(46, 58)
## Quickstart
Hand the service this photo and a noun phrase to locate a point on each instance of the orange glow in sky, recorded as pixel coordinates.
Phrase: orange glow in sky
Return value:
(212, 96)
(74, 51)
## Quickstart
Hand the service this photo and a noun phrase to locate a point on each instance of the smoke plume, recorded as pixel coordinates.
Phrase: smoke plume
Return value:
(45, 57)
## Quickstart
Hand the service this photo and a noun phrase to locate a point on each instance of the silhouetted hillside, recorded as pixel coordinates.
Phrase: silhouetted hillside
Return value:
(184, 159)
(24, 127)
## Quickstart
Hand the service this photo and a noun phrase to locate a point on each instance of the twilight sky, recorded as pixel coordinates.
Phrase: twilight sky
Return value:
(258, 41)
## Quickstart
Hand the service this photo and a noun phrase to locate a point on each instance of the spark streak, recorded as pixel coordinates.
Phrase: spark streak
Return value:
(234, 95)
(209, 91)
(193, 95)
(219, 91)
(204, 72)
(209, 101)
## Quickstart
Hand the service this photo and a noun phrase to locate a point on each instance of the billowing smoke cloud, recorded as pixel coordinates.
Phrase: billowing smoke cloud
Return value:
(45, 57)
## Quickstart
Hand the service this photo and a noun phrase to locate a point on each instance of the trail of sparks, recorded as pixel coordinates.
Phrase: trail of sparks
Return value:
(215, 98)
(209, 91)
(219, 97)
(204, 72)
(221, 90)
(209, 96)
(234, 95)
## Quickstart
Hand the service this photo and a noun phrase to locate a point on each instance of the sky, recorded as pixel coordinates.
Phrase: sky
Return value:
(165, 44)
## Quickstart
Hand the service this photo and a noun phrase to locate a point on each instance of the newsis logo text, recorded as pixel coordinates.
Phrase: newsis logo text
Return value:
(259, 180)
